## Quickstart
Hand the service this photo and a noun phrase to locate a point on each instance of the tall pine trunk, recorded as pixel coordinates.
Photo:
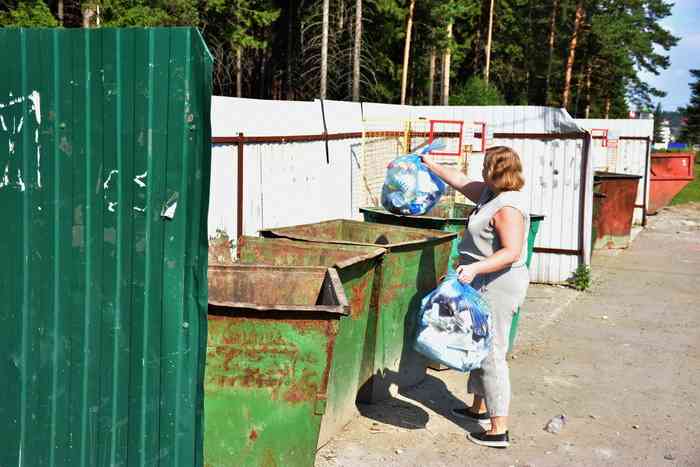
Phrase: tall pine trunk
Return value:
(446, 57)
(566, 94)
(552, 33)
(407, 50)
(324, 50)
(60, 12)
(239, 72)
(607, 107)
(357, 47)
(431, 75)
(488, 43)
(589, 70)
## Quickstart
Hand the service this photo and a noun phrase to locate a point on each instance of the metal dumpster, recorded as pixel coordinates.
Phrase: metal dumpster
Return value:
(670, 173)
(272, 333)
(612, 224)
(450, 218)
(415, 260)
(353, 363)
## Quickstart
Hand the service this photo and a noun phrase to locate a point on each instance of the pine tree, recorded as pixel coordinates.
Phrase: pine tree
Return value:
(690, 132)
(658, 120)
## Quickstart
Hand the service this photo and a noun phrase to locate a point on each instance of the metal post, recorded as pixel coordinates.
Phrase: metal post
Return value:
(239, 191)
(645, 201)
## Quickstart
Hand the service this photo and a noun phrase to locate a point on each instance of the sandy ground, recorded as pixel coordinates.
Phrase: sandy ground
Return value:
(621, 361)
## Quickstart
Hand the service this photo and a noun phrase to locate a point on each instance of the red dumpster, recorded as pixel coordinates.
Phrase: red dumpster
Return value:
(670, 173)
(615, 199)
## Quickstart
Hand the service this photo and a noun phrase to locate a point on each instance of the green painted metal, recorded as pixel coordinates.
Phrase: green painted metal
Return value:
(352, 364)
(272, 333)
(103, 319)
(451, 218)
(535, 220)
(414, 261)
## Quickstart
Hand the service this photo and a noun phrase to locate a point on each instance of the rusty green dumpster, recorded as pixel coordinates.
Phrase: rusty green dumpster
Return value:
(272, 333)
(352, 364)
(414, 261)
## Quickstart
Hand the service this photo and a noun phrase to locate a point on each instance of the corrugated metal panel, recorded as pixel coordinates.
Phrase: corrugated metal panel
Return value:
(104, 147)
(628, 156)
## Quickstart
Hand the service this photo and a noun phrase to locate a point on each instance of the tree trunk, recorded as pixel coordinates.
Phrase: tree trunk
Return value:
(407, 50)
(60, 12)
(239, 72)
(431, 76)
(552, 32)
(589, 70)
(446, 57)
(566, 95)
(324, 50)
(290, 35)
(357, 48)
(488, 44)
(88, 13)
(607, 107)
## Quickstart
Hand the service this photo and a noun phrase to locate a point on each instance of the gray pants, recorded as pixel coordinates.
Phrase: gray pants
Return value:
(505, 292)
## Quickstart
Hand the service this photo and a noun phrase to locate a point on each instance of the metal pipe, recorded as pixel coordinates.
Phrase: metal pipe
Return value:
(646, 183)
(239, 189)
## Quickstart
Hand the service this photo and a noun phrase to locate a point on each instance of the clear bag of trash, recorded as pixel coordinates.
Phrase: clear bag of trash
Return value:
(455, 326)
(409, 187)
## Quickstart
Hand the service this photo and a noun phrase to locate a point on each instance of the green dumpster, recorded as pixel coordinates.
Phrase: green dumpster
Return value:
(414, 261)
(352, 364)
(451, 218)
(272, 333)
(535, 220)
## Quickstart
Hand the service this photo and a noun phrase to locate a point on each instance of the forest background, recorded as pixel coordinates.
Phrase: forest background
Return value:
(584, 55)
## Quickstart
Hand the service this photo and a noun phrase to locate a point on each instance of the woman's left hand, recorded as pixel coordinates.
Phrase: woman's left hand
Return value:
(466, 273)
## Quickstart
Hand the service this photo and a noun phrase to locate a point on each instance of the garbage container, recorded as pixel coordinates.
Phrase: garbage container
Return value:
(535, 220)
(670, 173)
(612, 224)
(450, 218)
(352, 364)
(444, 216)
(414, 261)
(272, 335)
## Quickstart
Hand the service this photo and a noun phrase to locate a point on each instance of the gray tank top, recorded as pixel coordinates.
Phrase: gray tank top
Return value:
(480, 238)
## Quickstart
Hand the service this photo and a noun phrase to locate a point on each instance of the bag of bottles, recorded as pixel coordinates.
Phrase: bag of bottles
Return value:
(454, 327)
(409, 187)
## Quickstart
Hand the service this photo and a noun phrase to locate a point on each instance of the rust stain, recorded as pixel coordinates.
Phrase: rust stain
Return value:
(253, 435)
(303, 389)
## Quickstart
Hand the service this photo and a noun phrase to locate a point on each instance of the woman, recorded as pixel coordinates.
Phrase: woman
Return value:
(492, 258)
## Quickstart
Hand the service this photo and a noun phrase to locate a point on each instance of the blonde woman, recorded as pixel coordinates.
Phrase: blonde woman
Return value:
(492, 259)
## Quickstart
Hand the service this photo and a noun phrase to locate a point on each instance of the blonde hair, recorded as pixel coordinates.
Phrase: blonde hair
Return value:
(503, 169)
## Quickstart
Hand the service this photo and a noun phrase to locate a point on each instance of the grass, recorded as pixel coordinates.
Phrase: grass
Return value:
(691, 193)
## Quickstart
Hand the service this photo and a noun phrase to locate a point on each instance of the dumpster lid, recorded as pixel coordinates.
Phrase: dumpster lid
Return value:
(344, 255)
(263, 288)
(615, 176)
(326, 232)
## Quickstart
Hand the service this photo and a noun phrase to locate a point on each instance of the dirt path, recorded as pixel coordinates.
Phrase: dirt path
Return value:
(621, 361)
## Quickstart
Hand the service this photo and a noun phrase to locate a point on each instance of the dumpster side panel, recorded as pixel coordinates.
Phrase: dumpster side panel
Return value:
(408, 274)
(266, 388)
(103, 334)
(670, 173)
(613, 222)
(352, 360)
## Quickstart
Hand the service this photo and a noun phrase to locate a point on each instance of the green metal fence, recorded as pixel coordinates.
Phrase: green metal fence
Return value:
(104, 177)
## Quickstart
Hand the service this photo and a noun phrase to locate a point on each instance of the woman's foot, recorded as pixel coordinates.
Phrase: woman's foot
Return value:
(492, 440)
(483, 419)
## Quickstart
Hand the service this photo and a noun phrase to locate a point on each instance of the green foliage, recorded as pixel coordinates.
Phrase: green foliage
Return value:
(28, 15)
(690, 131)
(476, 91)
(658, 119)
(581, 280)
